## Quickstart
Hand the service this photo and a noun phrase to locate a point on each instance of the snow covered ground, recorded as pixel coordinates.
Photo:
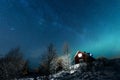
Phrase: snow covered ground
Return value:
(99, 70)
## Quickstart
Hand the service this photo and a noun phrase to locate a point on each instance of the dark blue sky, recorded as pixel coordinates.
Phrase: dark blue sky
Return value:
(87, 25)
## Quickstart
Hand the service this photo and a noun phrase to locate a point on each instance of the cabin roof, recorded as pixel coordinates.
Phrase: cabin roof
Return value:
(77, 53)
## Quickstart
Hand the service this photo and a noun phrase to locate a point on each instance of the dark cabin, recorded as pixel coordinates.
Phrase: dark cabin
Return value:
(83, 57)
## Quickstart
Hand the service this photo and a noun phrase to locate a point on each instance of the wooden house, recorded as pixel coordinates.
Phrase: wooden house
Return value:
(83, 57)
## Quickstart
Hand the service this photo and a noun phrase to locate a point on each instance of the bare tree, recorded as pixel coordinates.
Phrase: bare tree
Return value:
(47, 59)
(66, 51)
(26, 68)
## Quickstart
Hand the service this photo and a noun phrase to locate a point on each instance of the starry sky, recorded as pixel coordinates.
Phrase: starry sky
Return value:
(87, 25)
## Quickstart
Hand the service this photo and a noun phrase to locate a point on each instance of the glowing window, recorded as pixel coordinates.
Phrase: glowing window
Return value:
(80, 55)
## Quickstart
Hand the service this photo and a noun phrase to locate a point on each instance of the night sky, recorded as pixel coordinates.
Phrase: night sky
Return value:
(87, 25)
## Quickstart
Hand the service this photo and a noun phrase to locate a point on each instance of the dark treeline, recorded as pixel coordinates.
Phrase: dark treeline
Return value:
(13, 65)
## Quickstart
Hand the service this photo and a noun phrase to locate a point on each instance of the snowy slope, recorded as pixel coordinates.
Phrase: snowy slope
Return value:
(99, 70)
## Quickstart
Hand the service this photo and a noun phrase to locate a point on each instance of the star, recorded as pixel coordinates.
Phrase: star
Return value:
(41, 21)
(12, 29)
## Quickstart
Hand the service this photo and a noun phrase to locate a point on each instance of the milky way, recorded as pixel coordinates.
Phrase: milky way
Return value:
(87, 25)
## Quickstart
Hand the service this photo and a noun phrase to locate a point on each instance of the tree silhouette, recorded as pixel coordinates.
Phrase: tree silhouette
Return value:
(66, 51)
(11, 65)
(47, 59)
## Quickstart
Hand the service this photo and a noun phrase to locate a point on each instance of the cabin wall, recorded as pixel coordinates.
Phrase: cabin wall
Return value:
(86, 58)
(77, 58)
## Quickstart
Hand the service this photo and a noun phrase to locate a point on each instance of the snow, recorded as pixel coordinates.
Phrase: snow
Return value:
(74, 66)
(72, 71)
(26, 79)
(98, 71)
